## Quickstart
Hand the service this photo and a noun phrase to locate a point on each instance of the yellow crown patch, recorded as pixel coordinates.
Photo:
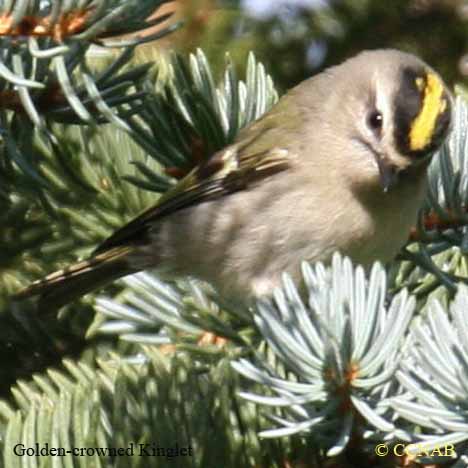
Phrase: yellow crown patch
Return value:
(433, 105)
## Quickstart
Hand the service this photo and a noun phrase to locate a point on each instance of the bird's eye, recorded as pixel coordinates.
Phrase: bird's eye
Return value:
(375, 121)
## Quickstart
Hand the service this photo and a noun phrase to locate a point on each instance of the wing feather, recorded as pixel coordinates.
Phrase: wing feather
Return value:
(226, 172)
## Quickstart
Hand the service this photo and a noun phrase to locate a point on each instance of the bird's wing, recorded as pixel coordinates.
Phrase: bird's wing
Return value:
(227, 171)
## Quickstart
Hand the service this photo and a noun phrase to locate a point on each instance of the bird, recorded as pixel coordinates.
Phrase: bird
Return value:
(339, 163)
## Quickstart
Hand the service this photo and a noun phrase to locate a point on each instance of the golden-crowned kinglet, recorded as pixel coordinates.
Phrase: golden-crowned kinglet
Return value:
(339, 163)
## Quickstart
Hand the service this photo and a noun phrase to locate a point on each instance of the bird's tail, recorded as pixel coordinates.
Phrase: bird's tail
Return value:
(63, 286)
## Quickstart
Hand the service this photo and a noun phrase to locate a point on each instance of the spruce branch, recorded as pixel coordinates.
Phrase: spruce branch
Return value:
(143, 399)
(445, 208)
(434, 376)
(47, 67)
(85, 200)
(147, 306)
(150, 311)
(78, 21)
(71, 92)
(38, 80)
(358, 369)
(190, 117)
(341, 351)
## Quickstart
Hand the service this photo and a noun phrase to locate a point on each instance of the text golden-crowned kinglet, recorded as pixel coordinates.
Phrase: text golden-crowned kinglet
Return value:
(339, 163)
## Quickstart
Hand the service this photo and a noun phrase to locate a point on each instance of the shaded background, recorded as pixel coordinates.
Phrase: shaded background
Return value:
(297, 38)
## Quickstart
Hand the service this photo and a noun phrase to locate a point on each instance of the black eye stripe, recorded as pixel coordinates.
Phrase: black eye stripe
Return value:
(407, 105)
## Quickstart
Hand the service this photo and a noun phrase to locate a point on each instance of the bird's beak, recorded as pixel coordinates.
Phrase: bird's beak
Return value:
(390, 169)
(388, 173)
